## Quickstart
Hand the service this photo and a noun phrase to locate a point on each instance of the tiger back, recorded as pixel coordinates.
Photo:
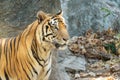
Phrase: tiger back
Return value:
(28, 55)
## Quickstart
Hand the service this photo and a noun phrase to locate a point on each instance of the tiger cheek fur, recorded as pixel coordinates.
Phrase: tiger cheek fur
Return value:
(28, 55)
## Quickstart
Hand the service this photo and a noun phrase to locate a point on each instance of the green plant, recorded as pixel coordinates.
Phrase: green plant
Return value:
(107, 11)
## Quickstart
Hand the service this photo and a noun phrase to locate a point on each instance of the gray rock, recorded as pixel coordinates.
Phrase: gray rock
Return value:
(20, 13)
(86, 14)
(75, 63)
(63, 74)
(66, 60)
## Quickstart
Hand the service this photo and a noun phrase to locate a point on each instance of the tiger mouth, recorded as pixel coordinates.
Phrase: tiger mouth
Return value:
(57, 45)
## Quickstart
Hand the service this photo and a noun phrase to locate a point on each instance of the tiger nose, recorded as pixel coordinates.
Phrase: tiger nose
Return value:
(65, 39)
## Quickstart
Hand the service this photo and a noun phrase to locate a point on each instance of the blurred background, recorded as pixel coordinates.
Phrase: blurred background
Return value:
(80, 16)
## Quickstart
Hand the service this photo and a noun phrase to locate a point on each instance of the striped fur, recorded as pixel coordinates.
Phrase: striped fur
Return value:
(28, 55)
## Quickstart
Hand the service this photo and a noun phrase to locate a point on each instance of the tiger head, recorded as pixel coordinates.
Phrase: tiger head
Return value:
(53, 29)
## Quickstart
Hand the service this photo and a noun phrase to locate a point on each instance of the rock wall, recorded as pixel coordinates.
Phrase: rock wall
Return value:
(80, 14)
(90, 14)
(19, 13)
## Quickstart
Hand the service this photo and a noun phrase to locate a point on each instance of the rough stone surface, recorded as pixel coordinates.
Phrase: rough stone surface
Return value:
(86, 14)
(20, 13)
(69, 62)
(73, 62)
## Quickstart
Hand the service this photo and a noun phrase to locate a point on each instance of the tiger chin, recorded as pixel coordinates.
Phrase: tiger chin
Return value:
(28, 55)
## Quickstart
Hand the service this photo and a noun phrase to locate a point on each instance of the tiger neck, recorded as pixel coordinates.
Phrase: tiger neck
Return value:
(41, 49)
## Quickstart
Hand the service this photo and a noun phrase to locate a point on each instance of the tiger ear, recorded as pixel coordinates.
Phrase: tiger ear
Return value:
(41, 16)
(60, 13)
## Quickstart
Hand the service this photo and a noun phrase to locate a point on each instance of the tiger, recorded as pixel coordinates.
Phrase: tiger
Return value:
(28, 55)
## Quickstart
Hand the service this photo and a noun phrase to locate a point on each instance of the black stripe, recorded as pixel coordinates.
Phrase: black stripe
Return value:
(48, 34)
(36, 57)
(44, 49)
(33, 68)
(34, 53)
(25, 72)
(14, 48)
(33, 47)
(6, 76)
(47, 28)
(18, 41)
(43, 30)
(38, 62)
(29, 69)
(11, 45)
(40, 58)
(0, 78)
(47, 71)
(14, 40)
(49, 24)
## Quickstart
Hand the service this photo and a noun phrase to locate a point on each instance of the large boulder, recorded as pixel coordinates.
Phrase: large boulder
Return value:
(90, 14)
